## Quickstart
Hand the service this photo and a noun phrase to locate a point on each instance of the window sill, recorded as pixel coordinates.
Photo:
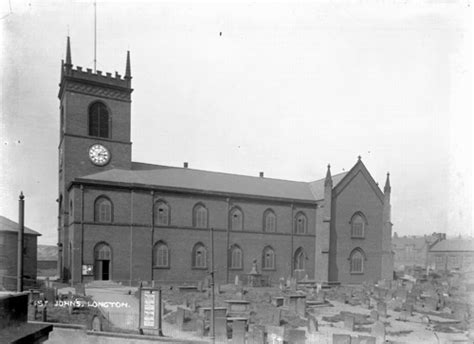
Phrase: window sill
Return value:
(236, 269)
(268, 269)
(199, 268)
(161, 267)
(357, 273)
(357, 237)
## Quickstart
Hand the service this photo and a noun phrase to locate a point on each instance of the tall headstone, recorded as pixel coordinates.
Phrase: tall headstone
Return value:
(312, 324)
(378, 331)
(349, 322)
(238, 332)
(200, 327)
(276, 317)
(382, 309)
(221, 330)
(180, 314)
(301, 306)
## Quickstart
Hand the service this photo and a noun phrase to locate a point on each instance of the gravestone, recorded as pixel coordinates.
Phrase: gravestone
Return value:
(96, 324)
(200, 327)
(382, 309)
(221, 330)
(275, 334)
(44, 314)
(408, 307)
(180, 318)
(341, 338)
(296, 336)
(238, 332)
(276, 317)
(374, 315)
(403, 316)
(301, 307)
(312, 324)
(257, 335)
(349, 322)
(236, 280)
(378, 331)
(366, 340)
(200, 286)
(425, 319)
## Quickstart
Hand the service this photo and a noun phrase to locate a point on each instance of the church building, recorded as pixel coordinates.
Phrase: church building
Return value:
(129, 221)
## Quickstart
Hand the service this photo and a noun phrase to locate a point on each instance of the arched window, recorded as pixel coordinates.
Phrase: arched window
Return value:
(103, 210)
(268, 258)
(358, 224)
(236, 219)
(300, 259)
(301, 223)
(160, 255)
(200, 216)
(162, 213)
(99, 120)
(235, 257)
(269, 221)
(199, 256)
(103, 252)
(356, 260)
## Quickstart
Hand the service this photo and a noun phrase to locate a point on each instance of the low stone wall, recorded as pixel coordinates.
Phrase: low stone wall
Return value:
(76, 334)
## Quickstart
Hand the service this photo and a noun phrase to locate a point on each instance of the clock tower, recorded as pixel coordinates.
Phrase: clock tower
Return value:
(94, 134)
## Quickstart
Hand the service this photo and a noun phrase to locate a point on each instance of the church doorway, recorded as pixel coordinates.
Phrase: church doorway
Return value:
(102, 263)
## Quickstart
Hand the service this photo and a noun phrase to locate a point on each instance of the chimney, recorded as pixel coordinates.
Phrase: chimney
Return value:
(185, 164)
(261, 174)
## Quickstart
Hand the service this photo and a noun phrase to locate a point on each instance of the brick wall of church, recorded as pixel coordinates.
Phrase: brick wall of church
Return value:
(357, 196)
(132, 245)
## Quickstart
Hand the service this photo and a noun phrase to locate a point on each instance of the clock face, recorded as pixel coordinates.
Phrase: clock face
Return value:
(99, 155)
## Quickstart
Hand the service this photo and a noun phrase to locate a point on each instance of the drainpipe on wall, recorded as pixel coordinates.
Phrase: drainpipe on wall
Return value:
(82, 229)
(227, 242)
(292, 233)
(152, 231)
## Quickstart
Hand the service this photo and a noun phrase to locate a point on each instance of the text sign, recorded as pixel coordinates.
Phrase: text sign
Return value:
(149, 308)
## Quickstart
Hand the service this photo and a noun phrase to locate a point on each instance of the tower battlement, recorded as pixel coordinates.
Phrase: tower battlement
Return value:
(118, 86)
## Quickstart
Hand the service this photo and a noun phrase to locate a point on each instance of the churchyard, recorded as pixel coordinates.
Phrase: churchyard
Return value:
(436, 309)
(432, 310)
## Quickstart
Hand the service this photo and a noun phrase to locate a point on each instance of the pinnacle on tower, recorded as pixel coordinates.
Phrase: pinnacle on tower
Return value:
(328, 179)
(387, 187)
(68, 63)
(128, 74)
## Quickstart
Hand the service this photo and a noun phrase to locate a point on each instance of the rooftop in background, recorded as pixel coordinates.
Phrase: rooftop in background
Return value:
(7, 225)
(47, 252)
(452, 245)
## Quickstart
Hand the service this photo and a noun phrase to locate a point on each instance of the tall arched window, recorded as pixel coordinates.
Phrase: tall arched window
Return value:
(356, 260)
(268, 258)
(200, 216)
(162, 213)
(269, 221)
(358, 224)
(99, 120)
(235, 257)
(236, 219)
(103, 210)
(300, 259)
(199, 256)
(160, 255)
(301, 223)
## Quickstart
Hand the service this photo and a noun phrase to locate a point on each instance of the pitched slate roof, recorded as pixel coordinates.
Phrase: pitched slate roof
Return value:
(207, 181)
(7, 225)
(453, 245)
(417, 241)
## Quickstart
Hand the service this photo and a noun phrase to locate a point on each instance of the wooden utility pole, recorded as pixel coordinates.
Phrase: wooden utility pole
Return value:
(21, 229)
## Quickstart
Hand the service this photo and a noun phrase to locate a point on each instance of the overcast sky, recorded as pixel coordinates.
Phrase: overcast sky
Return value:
(286, 89)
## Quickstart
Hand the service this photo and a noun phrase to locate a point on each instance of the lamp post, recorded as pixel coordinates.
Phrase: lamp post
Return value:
(213, 332)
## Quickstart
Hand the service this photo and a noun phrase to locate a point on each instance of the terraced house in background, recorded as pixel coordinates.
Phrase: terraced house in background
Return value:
(130, 221)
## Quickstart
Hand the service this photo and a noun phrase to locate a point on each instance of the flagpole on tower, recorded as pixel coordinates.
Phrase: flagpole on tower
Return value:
(95, 36)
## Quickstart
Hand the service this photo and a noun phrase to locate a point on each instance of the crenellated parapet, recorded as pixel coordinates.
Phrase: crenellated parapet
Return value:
(86, 81)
